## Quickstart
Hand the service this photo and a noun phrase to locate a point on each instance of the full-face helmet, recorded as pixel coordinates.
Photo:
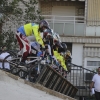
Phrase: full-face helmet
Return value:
(43, 25)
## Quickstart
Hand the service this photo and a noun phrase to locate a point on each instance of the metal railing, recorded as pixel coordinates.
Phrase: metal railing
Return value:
(67, 25)
(64, 25)
(81, 78)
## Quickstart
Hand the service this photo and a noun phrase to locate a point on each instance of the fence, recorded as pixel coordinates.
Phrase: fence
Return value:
(81, 78)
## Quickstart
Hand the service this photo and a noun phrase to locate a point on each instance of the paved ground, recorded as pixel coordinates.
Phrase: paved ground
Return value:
(11, 89)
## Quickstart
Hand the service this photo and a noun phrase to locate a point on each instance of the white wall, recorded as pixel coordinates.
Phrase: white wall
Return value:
(77, 54)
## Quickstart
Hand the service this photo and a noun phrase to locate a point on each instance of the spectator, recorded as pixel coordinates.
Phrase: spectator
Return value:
(96, 84)
(2, 56)
(3, 48)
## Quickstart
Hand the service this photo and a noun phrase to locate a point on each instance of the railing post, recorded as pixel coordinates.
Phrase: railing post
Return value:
(63, 28)
(74, 25)
(53, 21)
(85, 28)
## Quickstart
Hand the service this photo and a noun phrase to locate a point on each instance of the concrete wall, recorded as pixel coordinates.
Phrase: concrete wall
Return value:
(63, 10)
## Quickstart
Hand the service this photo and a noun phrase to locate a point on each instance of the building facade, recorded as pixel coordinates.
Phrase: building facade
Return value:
(78, 23)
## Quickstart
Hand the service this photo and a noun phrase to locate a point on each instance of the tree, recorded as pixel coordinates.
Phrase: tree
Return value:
(15, 14)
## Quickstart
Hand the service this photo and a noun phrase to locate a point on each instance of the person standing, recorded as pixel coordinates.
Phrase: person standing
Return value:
(96, 84)
(3, 55)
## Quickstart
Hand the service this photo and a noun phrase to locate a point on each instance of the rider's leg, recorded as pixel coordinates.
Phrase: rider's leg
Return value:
(24, 45)
(48, 48)
(19, 40)
(36, 48)
(31, 38)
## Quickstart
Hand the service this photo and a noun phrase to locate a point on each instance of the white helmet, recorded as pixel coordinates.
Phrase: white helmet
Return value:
(55, 36)
(58, 37)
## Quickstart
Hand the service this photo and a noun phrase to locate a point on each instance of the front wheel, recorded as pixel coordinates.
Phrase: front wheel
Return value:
(23, 74)
(34, 72)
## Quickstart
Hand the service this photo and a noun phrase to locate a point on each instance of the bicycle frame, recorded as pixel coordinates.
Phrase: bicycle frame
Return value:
(37, 59)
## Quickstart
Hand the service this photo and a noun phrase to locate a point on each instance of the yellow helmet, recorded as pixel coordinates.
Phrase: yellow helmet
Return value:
(68, 53)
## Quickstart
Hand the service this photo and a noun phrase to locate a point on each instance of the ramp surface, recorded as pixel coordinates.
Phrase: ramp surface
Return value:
(11, 89)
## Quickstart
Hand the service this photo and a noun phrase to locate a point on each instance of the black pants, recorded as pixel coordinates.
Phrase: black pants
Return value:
(97, 95)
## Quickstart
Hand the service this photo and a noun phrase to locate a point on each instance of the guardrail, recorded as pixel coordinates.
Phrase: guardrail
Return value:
(67, 25)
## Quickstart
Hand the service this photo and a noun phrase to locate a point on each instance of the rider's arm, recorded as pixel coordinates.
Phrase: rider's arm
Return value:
(37, 35)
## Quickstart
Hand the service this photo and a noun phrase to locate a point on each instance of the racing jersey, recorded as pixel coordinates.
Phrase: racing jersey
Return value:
(61, 59)
(31, 29)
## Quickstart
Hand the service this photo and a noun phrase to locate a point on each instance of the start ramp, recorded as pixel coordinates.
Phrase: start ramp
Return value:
(51, 79)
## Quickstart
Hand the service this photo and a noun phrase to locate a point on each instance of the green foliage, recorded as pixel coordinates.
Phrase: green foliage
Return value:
(1, 39)
(11, 11)
(8, 39)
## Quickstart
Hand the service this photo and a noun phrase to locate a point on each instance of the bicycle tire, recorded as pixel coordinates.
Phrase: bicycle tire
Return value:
(22, 74)
(32, 75)
(13, 53)
(3, 63)
(13, 68)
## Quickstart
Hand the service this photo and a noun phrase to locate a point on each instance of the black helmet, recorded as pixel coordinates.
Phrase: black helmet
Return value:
(64, 46)
(44, 23)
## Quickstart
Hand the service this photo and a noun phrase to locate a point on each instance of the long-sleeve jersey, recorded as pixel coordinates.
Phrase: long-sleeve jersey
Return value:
(61, 59)
(31, 29)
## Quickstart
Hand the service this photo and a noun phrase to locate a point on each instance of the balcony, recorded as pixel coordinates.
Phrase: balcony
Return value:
(67, 25)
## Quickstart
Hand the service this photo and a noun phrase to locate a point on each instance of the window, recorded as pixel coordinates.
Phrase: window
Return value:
(93, 63)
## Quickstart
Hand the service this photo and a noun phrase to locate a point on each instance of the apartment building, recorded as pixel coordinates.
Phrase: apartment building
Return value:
(78, 23)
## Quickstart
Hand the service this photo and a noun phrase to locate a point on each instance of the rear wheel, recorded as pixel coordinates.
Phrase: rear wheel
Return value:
(5, 64)
(12, 53)
(11, 63)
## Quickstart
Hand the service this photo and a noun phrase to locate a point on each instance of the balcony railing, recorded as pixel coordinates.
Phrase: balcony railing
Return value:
(67, 25)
